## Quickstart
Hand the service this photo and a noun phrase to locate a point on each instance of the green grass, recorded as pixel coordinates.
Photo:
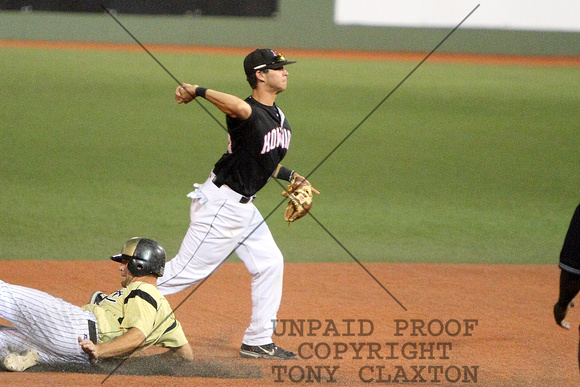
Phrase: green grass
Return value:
(464, 163)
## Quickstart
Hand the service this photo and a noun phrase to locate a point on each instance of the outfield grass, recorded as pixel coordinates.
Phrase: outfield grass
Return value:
(464, 163)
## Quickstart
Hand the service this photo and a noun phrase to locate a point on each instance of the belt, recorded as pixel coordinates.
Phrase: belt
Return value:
(247, 199)
(233, 195)
(93, 331)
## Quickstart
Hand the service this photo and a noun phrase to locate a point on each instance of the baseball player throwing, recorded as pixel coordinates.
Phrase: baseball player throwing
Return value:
(223, 217)
(51, 331)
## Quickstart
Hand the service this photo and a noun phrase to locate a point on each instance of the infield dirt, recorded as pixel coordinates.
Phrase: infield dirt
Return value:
(488, 325)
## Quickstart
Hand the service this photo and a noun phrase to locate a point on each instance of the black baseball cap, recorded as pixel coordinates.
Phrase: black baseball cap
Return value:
(264, 58)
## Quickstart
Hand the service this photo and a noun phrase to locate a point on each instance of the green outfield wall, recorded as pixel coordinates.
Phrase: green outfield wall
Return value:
(302, 24)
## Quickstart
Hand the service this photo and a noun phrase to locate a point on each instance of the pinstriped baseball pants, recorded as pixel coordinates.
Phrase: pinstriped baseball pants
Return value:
(42, 322)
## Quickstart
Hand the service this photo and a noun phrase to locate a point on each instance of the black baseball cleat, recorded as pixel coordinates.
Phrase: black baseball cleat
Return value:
(268, 351)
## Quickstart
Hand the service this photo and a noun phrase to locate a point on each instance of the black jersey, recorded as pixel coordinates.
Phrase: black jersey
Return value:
(256, 147)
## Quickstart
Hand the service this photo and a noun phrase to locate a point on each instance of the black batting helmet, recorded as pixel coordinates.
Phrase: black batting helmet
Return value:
(145, 257)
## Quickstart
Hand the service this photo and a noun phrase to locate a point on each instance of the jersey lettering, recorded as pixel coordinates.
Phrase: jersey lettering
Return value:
(110, 299)
(276, 138)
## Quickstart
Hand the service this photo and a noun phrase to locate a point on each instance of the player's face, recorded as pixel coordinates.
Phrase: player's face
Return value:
(276, 79)
(126, 276)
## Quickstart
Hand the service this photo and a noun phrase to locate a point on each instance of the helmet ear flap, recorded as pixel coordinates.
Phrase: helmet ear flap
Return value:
(136, 268)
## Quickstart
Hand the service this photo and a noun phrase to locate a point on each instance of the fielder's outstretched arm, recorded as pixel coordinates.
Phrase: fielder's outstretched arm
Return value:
(229, 104)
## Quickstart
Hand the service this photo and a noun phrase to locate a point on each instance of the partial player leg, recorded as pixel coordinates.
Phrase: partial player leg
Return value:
(569, 288)
(17, 352)
(570, 270)
(265, 263)
(11, 340)
(45, 323)
(216, 227)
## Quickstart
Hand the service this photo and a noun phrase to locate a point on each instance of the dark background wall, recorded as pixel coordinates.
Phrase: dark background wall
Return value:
(264, 8)
(302, 24)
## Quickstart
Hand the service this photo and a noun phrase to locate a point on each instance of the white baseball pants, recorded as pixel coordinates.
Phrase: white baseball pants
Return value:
(44, 323)
(220, 224)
